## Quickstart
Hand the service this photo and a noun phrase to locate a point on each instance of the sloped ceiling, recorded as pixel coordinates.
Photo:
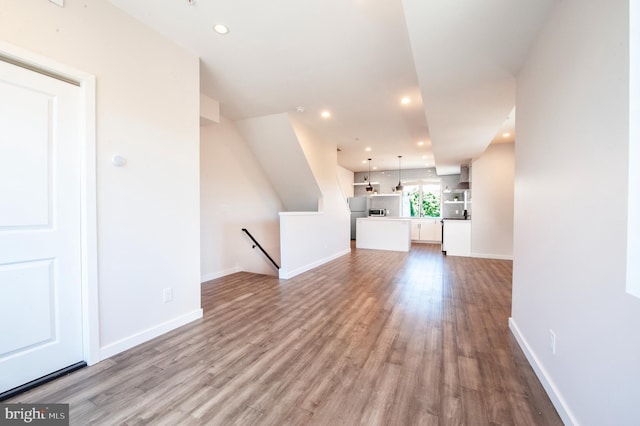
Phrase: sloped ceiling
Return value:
(467, 55)
(274, 141)
(455, 60)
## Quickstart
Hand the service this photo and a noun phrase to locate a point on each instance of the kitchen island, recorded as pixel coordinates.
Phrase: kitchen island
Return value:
(383, 233)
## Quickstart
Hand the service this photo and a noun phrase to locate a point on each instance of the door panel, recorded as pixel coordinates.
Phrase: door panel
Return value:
(40, 286)
(24, 157)
(31, 284)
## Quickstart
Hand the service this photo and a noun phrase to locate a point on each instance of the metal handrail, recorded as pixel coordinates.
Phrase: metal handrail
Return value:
(257, 244)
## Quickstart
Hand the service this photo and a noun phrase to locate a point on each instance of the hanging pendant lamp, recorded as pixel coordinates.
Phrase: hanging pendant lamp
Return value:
(369, 188)
(399, 187)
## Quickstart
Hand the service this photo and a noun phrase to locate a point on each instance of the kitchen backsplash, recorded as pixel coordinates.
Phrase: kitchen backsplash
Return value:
(386, 181)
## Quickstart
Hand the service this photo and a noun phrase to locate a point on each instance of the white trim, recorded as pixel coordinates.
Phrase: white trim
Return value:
(90, 291)
(219, 274)
(300, 213)
(492, 256)
(554, 395)
(633, 197)
(89, 227)
(148, 334)
(285, 275)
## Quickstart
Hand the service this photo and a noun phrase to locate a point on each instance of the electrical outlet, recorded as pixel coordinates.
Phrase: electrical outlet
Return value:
(167, 295)
(552, 341)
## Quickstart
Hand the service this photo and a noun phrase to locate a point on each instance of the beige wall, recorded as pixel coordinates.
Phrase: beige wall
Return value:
(570, 229)
(235, 194)
(345, 178)
(309, 240)
(492, 205)
(147, 111)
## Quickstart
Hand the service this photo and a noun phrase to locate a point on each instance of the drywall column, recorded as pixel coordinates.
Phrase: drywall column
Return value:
(492, 228)
(570, 260)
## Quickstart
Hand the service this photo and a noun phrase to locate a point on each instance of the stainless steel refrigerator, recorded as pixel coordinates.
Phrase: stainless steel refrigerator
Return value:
(359, 207)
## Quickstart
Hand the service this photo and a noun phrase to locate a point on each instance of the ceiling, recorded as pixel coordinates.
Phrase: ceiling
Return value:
(455, 60)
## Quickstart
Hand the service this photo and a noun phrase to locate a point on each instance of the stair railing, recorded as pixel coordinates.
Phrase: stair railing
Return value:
(257, 244)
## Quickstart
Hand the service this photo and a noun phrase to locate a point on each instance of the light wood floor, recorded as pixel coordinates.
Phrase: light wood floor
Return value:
(372, 338)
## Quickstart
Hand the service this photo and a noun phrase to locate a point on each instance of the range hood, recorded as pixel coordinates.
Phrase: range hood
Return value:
(464, 178)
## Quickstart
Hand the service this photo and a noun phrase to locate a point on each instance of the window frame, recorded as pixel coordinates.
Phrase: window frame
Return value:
(405, 202)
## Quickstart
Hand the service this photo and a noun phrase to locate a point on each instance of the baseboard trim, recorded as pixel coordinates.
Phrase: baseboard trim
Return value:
(148, 334)
(492, 256)
(554, 395)
(219, 274)
(285, 275)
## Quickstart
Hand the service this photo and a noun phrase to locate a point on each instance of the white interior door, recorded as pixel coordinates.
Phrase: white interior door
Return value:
(40, 251)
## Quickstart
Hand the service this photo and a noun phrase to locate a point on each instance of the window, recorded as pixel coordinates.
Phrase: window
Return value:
(421, 200)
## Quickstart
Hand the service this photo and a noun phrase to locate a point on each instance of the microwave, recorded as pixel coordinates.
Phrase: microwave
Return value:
(377, 212)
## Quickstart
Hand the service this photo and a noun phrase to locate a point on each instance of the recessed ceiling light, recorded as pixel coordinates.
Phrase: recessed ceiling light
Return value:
(368, 149)
(424, 157)
(405, 100)
(375, 168)
(420, 143)
(325, 114)
(506, 134)
(220, 29)
(364, 161)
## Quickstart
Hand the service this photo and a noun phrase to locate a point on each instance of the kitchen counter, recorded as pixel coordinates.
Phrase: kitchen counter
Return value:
(384, 233)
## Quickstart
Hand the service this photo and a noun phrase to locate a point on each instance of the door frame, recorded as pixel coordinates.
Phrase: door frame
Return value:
(88, 190)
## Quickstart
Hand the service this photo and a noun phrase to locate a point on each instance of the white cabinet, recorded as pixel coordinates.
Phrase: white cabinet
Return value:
(457, 237)
(383, 234)
(426, 229)
(415, 230)
(434, 230)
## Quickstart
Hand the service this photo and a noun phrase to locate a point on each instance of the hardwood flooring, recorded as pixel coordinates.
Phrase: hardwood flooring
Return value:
(372, 338)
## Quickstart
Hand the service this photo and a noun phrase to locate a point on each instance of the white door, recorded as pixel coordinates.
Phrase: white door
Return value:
(40, 254)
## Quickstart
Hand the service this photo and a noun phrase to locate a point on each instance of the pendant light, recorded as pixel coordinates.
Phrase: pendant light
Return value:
(399, 187)
(369, 188)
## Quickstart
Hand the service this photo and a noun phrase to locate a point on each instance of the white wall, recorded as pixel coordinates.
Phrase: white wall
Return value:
(147, 111)
(311, 239)
(345, 179)
(235, 194)
(570, 229)
(492, 219)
